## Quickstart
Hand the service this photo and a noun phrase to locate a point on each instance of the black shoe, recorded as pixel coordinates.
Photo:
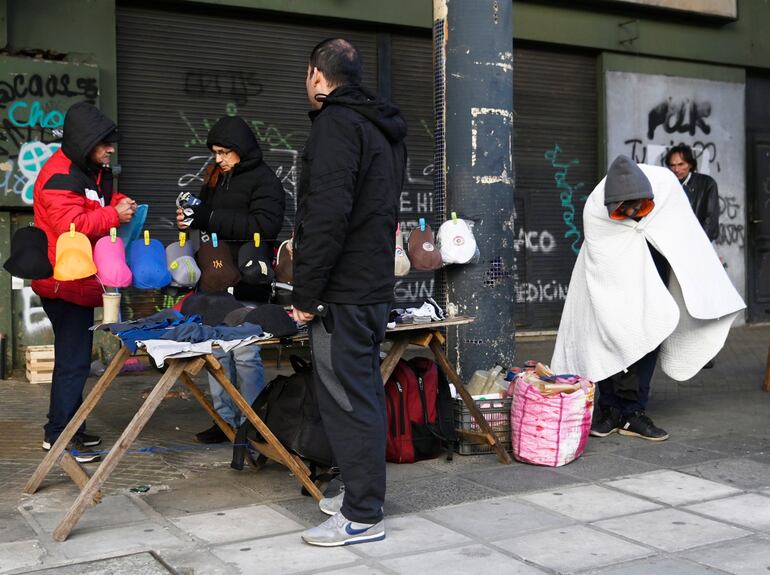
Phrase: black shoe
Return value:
(86, 439)
(639, 425)
(212, 435)
(608, 422)
(78, 450)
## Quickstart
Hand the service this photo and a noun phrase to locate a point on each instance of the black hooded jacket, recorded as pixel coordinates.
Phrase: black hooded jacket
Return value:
(353, 169)
(246, 200)
(703, 194)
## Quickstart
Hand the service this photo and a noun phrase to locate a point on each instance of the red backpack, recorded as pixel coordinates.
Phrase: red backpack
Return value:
(412, 397)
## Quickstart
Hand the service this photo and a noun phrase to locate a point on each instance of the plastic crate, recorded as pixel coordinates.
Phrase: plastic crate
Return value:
(497, 412)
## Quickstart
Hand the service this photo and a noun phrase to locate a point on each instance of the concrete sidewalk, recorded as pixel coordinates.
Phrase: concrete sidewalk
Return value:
(698, 503)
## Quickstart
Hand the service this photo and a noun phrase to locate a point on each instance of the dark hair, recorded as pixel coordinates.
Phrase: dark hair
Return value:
(339, 61)
(686, 152)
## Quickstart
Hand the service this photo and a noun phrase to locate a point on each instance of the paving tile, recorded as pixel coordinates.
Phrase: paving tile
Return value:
(13, 527)
(671, 529)
(668, 453)
(461, 561)
(138, 564)
(748, 510)
(520, 478)
(496, 518)
(749, 556)
(400, 537)
(92, 543)
(657, 566)
(734, 444)
(236, 524)
(589, 502)
(600, 466)
(355, 570)
(284, 554)
(113, 510)
(579, 547)
(20, 554)
(432, 492)
(672, 487)
(743, 473)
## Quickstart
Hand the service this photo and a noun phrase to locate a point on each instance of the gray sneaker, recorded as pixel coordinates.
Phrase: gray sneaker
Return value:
(332, 505)
(337, 531)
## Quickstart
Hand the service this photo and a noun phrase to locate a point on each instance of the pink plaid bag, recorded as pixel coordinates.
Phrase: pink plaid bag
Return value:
(550, 429)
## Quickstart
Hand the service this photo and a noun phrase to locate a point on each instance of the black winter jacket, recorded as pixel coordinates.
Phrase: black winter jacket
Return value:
(353, 168)
(704, 198)
(246, 200)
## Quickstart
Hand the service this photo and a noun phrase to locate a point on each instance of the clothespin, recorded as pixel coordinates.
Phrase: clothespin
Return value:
(72, 229)
(214, 240)
(147, 237)
(454, 217)
(113, 235)
(182, 239)
(256, 239)
(422, 224)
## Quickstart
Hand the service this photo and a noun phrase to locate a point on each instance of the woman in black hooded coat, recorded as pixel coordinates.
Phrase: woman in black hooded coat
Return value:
(241, 196)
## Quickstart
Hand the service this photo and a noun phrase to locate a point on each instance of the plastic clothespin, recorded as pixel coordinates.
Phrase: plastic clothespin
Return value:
(214, 240)
(422, 224)
(72, 229)
(182, 239)
(147, 237)
(256, 239)
(454, 217)
(113, 235)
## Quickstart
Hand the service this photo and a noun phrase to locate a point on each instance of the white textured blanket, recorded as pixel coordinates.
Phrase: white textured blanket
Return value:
(618, 309)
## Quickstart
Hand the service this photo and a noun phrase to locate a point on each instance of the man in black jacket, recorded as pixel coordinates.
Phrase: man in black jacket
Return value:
(240, 197)
(701, 189)
(353, 168)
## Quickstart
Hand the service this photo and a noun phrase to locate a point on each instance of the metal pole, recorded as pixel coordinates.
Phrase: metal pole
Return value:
(473, 51)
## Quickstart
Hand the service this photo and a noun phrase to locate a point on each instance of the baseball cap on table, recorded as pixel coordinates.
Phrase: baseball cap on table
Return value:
(74, 256)
(218, 271)
(403, 264)
(455, 241)
(237, 316)
(147, 260)
(273, 319)
(110, 259)
(255, 263)
(29, 254)
(212, 307)
(422, 249)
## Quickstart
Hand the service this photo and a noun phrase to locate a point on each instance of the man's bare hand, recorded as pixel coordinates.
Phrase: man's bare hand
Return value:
(126, 208)
(302, 316)
(179, 220)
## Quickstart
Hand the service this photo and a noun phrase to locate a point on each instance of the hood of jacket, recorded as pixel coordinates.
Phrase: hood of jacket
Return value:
(233, 133)
(379, 111)
(84, 127)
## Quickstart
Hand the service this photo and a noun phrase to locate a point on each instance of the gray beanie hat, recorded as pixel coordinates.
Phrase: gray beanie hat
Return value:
(625, 181)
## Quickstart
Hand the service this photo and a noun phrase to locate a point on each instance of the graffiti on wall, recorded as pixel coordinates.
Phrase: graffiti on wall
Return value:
(649, 114)
(32, 108)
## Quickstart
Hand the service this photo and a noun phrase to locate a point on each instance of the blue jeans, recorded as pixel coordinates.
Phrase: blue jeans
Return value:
(72, 362)
(244, 368)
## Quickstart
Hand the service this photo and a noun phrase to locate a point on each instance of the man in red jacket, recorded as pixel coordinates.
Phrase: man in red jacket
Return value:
(75, 186)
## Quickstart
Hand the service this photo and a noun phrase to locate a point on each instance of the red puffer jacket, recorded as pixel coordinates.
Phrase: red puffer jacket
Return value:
(70, 189)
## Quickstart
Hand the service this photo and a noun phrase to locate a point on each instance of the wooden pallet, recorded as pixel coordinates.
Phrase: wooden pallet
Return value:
(40, 361)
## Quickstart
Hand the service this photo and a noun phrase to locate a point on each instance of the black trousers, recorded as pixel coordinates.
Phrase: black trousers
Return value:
(345, 345)
(72, 364)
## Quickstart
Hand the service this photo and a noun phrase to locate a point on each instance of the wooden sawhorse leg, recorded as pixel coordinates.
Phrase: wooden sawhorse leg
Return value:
(487, 435)
(272, 447)
(58, 449)
(766, 386)
(130, 433)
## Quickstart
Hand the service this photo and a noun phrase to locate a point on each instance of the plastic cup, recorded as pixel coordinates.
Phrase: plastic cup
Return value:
(111, 302)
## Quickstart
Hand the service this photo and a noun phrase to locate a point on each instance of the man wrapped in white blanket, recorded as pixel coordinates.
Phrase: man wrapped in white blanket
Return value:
(646, 282)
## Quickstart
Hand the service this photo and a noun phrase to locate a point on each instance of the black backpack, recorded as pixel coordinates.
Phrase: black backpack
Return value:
(289, 408)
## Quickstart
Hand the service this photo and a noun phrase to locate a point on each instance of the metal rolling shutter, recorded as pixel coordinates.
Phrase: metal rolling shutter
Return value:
(180, 70)
(412, 92)
(555, 154)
